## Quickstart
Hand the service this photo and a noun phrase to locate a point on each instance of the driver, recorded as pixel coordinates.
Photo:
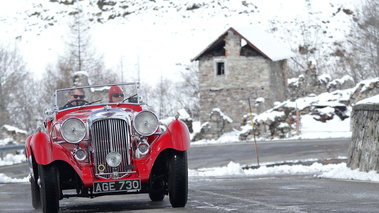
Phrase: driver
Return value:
(115, 94)
(75, 96)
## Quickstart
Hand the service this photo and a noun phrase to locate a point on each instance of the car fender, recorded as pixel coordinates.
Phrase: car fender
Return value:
(42, 148)
(180, 139)
(27, 146)
(176, 137)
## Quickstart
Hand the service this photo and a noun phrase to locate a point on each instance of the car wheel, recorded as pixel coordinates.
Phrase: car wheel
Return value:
(49, 188)
(36, 199)
(156, 196)
(178, 179)
(157, 190)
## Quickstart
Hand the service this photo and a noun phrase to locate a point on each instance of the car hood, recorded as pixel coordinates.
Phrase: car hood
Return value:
(83, 114)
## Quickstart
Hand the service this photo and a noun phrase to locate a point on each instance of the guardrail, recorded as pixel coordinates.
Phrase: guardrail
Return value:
(10, 148)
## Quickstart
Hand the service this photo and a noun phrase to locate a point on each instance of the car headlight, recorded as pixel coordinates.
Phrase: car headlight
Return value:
(145, 123)
(73, 130)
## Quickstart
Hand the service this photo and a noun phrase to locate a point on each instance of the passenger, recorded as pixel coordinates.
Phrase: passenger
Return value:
(115, 94)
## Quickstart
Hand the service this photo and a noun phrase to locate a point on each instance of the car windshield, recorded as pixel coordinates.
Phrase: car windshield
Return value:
(95, 95)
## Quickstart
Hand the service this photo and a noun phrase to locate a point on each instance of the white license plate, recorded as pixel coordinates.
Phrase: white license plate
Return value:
(115, 186)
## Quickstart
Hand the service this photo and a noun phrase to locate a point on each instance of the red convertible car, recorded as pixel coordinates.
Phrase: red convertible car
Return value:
(102, 140)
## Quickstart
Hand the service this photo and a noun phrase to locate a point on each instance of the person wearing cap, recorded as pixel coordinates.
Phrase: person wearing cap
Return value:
(115, 94)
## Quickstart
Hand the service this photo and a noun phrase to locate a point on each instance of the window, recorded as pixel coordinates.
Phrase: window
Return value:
(220, 68)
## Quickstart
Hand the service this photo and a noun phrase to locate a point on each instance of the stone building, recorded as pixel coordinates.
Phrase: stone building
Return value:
(242, 63)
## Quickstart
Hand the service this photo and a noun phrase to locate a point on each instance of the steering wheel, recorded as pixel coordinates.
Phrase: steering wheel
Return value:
(78, 103)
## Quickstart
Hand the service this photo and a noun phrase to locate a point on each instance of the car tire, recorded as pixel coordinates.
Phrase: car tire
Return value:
(49, 188)
(178, 179)
(36, 199)
(156, 195)
(157, 190)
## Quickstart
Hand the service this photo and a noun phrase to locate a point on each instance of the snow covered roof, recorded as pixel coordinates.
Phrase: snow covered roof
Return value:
(257, 39)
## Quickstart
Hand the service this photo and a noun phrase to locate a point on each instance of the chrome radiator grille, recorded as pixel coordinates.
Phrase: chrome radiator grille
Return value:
(110, 135)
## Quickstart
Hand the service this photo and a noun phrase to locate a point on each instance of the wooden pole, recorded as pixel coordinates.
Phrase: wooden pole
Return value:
(252, 124)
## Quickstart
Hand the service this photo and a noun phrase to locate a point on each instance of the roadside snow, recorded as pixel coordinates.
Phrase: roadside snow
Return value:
(332, 171)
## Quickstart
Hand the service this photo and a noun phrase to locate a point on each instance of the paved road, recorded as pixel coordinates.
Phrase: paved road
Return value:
(268, 151)
(269, 193)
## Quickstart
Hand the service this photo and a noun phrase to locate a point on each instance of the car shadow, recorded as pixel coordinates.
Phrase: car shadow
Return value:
(119, 203)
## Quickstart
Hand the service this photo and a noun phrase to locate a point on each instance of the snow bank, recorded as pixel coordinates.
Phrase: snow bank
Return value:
(332, 171)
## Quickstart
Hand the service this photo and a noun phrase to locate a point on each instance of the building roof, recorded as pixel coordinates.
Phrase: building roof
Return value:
(258, 39)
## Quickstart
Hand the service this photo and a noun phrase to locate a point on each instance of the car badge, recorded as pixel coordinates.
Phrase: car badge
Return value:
(109, 114)
(101, 168)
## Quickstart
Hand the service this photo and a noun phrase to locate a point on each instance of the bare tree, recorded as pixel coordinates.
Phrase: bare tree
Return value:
(13, 77)
(364, 57)
(28, 113)
(82, 54)
(187, 91)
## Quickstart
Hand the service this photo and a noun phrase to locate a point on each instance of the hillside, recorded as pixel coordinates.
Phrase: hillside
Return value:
(160, 36)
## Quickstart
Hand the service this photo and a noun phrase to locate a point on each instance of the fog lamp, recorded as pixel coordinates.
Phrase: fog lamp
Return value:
(113, 159)
(143, 148)
(80, 154)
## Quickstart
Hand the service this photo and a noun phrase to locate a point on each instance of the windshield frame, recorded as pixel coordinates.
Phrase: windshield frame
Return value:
(135, 84)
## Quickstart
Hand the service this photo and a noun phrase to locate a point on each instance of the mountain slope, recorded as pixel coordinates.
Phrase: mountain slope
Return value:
(155, 37)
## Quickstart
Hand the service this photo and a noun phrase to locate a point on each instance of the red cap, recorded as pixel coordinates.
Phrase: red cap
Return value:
(113, 89)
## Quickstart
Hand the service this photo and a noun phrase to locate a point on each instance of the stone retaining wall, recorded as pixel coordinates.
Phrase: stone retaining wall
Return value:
(364, 146)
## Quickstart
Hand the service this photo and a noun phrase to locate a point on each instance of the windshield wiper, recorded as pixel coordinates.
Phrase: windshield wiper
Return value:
(90, 103)
(130, 97)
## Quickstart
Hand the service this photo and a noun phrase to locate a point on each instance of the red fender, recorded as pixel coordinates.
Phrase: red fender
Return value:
(42, 148)
(27, 146)
(179, 133)
(44, 154)
(176, 137)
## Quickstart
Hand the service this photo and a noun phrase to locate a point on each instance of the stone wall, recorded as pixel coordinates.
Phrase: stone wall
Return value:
(218, 123)
(17, 135)
(364, 146)
(232, 101)
(365, 90)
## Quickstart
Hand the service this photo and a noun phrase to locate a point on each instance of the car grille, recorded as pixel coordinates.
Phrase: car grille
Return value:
(110, 135)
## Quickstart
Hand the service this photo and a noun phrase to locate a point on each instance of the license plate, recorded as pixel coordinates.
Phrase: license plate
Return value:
(116, 186)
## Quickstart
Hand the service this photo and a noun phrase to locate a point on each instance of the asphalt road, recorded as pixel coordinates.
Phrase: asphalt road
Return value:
(268, 193)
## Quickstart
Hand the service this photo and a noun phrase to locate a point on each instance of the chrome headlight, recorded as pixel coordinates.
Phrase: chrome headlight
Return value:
(73, 130)
(113, 159)
(146, 123)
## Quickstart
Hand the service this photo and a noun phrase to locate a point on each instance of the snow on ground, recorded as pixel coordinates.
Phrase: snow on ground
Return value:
(333, 171)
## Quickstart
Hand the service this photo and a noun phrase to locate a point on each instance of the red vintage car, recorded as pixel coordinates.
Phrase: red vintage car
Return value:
(102, 140)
